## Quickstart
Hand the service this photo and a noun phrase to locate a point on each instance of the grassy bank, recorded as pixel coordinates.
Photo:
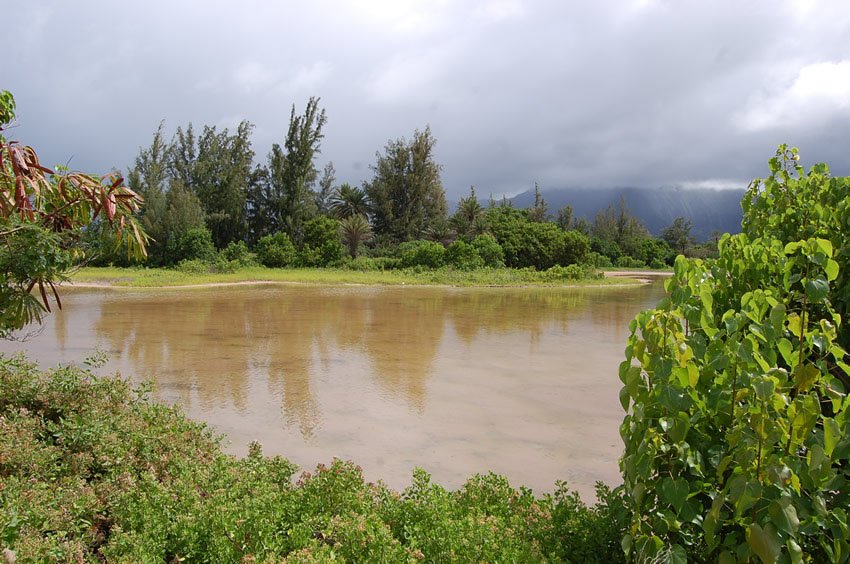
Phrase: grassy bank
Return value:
(91, 470)
(155, 277)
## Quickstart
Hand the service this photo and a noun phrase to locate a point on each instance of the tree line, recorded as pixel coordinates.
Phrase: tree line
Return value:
(206, 200)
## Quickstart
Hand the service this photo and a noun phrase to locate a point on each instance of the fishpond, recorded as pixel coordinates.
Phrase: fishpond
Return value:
(518, 381)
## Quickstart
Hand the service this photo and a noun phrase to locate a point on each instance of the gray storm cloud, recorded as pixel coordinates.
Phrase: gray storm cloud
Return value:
(617, 93)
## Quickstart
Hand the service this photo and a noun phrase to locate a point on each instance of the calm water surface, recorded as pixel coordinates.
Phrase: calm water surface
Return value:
(522, 382)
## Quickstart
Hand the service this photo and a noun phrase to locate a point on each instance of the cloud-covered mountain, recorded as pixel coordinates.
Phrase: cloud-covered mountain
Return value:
(709, 209)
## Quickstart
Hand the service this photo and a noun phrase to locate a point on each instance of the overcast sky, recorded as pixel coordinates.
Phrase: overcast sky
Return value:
(615, 93)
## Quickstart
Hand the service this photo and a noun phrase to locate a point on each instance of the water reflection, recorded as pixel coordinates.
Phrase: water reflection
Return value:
(520, 381)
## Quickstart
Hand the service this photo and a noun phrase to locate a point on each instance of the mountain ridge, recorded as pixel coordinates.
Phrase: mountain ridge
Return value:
(709, 209)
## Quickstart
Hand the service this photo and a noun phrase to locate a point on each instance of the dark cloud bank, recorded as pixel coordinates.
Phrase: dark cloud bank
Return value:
(568, 94)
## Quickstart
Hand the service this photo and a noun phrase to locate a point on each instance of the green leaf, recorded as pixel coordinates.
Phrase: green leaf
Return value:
(794, 551)
(678, 555)
(831, 435)
(707, 324)
(777, 316)
(625, 398)
(764, 543)
(825, 246)
(707, 298)
(794, 324)
(675, 492)
(831, 270)
(805, 375)
(693, 374)
(786, 349)
(817, 289)
(784, 515)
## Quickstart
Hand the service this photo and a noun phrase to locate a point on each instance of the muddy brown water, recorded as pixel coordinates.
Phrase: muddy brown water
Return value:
(522, 381)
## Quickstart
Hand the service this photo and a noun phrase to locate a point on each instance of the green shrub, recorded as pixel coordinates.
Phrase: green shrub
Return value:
(571, 272)
(463, 256)
(736, 387)
(322, 245)
(576, 246)
(275, 251)
(92, 470)
(237, 251)
(531, 243)
(428, 254)
(625, 261)
(195, 244)
(489, 250)
(597, 260)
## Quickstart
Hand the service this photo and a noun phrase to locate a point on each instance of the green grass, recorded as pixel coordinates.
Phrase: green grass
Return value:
(159, 277)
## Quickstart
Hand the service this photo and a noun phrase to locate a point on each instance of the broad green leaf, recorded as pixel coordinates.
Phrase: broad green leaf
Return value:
(777, 316)
(794, 324)
(675, 492)
(794, 551)
(764, 543)
(831, 270)
(625, 398)
(786, 349)
(693, 374)
(817, 289)
(804, 376)
(764, 388)
(707, 324)
(783, 514)
(831, 435)
(825, 246)
(707, 298)
(678, 555)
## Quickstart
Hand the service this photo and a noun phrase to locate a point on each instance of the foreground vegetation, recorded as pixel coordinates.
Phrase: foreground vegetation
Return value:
(91, 469)
(158, 277)
(736, 386)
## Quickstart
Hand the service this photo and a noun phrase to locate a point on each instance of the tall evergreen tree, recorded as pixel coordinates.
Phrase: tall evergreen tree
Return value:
(539, 211)
(170, 209)
(216, 167)
(222, 173)
(149, 177)
(291, 172)
(326, 189)
(406, 193)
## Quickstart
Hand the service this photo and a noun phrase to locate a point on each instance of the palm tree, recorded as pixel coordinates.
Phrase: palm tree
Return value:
(348, 201)
(467, 218)
(441, 231)
(354, 230)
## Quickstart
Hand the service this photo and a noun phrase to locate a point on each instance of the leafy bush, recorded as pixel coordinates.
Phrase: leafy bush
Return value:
(237, 252)
(322, 245)
(606, 247)
(195, 244)
(429, 254)
(576, 246)
(275, 251)
(463, 256)
(625, 261)
(655, 251)
(94, 471)
(571, 272)
(597, 260)
(738, 427)
(532, 243)
(489, 250)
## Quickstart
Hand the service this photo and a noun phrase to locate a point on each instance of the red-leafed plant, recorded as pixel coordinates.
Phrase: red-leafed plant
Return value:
(42, 215)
